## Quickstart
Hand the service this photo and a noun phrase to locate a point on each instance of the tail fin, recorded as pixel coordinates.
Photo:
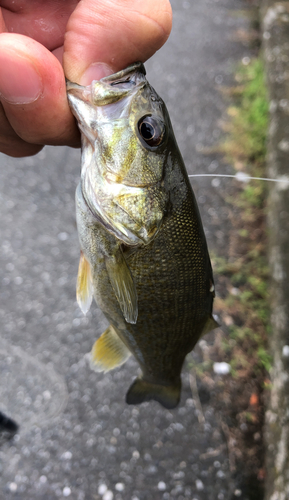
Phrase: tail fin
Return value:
(141, 391)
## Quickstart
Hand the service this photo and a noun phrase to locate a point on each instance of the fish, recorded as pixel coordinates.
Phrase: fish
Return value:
(144, 256)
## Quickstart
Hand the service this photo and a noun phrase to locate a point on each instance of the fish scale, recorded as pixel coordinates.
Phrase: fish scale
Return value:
(144, 253)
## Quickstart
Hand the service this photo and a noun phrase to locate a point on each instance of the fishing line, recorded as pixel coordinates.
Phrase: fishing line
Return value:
(243, 177)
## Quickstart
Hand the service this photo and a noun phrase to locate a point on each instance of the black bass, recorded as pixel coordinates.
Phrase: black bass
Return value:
(144, 255)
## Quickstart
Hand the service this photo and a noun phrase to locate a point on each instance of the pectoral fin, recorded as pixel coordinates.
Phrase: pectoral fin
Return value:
(108, 352)
(84, 288)
(123, 285)
(211, 324)
(167, 395)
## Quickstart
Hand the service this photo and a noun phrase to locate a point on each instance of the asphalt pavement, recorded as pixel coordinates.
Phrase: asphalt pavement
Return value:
(77, 438)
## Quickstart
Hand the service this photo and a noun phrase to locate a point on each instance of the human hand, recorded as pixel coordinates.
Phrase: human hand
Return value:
(92, 38)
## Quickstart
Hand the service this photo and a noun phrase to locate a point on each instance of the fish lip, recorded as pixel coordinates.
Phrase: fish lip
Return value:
(72, 86)
(75, 88)
(86, 91)
(136, 67)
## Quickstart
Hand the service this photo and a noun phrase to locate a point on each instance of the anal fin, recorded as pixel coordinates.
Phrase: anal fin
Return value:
(108, 352)
(123, 286)
(84, 288)
(141, 391)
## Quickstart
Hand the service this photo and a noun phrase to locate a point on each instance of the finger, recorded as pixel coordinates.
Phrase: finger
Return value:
(113, 33)
(42, 21)
(3, 27)
(33, 94)
(10, 142)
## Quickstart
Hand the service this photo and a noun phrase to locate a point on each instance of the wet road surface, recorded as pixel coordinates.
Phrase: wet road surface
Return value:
(78, 439)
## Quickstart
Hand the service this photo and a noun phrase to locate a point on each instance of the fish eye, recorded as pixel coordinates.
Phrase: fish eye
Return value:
(152, 130)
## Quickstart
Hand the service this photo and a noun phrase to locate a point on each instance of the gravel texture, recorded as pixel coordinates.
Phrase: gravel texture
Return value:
(77, 438)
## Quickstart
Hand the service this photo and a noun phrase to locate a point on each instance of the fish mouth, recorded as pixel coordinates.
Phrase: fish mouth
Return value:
(123, 74)
(108, 89)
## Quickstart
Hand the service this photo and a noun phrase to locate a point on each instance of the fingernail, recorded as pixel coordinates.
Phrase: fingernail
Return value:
(20, 83)
(95, 71)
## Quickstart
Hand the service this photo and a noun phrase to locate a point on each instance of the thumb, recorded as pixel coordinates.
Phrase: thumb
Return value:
(104, 36)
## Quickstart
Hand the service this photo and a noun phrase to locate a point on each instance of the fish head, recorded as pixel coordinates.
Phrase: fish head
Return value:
(125, 133)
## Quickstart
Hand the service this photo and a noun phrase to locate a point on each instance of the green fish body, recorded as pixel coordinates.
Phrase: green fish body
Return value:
(144, 255)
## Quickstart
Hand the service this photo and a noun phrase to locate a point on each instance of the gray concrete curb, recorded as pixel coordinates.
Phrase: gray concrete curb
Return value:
(275, 24)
